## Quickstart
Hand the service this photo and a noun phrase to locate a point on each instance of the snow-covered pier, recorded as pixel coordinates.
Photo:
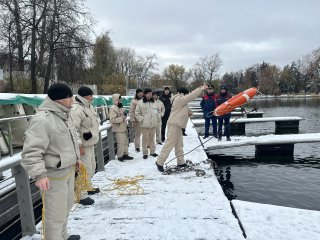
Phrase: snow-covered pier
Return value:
(181, 206)
(178, 206)
(238, 125)
(271, 140)
(199, 115)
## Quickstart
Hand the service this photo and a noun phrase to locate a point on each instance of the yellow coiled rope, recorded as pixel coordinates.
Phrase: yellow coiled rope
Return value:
(125, 186)
(81, 183)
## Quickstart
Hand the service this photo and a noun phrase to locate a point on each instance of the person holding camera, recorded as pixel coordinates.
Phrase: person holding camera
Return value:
(118, 120)
(87, 126)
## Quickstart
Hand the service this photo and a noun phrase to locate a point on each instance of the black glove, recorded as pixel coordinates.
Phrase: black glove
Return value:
(87, 136)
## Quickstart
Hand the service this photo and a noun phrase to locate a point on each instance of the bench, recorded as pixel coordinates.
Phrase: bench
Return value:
(283, 125)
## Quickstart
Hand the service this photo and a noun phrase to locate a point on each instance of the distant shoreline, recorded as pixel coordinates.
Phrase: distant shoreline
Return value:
(287, 96)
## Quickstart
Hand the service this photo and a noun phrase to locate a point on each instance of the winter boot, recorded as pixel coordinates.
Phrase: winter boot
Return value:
(127, 157)
(182, 165)
(138, 149)
(154, 155)
(145, 156)
(160, 168)
(87, 201)
(74, 237)
(93, 191)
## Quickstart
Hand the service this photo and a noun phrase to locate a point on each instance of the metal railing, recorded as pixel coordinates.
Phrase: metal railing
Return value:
(8, 122)
(23, 186)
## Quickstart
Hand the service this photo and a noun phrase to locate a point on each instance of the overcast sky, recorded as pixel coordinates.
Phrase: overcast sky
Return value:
(243, 32)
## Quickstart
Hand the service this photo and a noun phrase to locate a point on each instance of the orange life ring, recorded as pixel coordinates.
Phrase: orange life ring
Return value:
(235, 102)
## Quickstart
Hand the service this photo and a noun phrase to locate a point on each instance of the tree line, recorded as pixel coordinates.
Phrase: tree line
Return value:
(45, 41)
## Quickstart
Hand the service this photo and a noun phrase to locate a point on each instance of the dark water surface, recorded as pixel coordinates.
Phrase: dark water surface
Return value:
(293, 184)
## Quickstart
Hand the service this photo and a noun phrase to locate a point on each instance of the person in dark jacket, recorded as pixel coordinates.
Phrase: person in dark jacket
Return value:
(165, 98)
(221, 98)
(208, 104)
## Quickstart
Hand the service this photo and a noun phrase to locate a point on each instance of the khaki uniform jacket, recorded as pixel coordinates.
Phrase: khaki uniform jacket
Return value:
(132, 110)
(161, 109)
(85, 120)
(147, 114)
(50, 141)
(180, 110)
(116, 116)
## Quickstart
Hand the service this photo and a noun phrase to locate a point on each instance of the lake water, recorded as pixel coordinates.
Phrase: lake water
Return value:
(293, 184)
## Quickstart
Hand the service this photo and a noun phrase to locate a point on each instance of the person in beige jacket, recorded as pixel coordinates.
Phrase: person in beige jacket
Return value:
(118, 120)
(177, 121)
(86, 122)
(161, 110)
(50, 152)
(147, 114)
(133, 120)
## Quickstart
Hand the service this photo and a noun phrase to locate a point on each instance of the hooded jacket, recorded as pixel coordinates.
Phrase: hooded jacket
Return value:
(116, 116)
(50, 140)
(132, 110)
(180, 110)
(147, 113)
(85, 120)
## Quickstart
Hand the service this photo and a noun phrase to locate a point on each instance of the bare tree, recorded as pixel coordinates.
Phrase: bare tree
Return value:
(13, 11)
(143, 68)
(177, 75)
(207, 68)
(125, 61)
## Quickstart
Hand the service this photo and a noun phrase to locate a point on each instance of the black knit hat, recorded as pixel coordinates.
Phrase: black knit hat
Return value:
(85, 91)
(147, 90)
(183, 90)
(139, 90)
(59, 91)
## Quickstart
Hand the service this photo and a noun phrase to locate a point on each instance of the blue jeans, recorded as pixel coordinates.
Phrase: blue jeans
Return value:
(207, 125)
(226, 126)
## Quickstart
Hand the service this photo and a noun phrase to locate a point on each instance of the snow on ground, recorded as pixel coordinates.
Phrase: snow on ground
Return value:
(212, 144)
(173, 207)
(183, 206)
(267, 222)
(199, 122)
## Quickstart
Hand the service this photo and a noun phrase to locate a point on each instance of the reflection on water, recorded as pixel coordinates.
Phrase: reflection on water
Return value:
(272, 181)
(291, 185)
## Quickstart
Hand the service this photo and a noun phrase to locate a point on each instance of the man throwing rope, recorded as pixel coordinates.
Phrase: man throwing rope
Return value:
(178, 119)
(49, 154)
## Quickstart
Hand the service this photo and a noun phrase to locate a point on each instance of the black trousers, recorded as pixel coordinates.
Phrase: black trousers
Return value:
(163, 128)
